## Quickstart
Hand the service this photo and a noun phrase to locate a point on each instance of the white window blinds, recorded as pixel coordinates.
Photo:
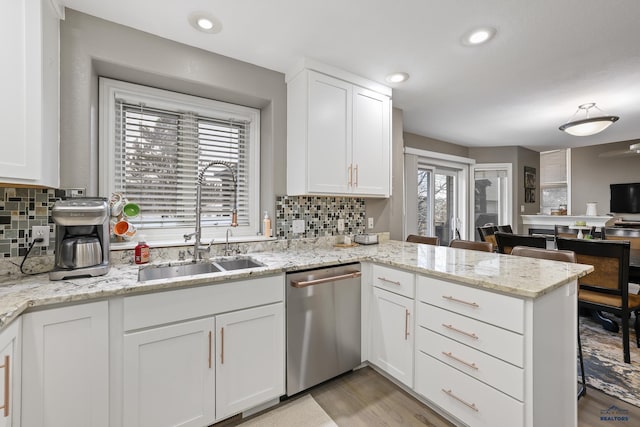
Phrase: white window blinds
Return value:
(158, 153)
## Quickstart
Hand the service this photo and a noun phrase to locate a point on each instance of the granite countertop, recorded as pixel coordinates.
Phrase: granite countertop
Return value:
(519, 276)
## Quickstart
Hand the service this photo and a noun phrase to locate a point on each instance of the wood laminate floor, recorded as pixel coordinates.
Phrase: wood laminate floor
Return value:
(366, 398)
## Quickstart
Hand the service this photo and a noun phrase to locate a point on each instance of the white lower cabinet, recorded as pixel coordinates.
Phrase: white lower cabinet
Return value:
(195, 356)
(249, 358)
(169, 376)
(65, 359)
(10, 375)
(392, 347)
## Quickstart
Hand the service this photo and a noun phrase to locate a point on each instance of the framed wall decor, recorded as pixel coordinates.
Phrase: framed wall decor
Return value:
(529, 184)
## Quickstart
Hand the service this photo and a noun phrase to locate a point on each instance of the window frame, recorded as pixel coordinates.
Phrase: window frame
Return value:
(110, 90)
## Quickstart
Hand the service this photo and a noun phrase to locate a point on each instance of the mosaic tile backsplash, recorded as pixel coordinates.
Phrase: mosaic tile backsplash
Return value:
(21, 209)
(320, 214)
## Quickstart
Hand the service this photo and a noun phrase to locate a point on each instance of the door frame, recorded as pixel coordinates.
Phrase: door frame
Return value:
(508, 210)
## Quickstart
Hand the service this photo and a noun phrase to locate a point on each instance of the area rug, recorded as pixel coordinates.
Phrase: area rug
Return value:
(604, 364)
(303, 411)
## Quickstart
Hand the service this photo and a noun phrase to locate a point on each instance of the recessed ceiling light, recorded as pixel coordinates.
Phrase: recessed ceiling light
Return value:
(205, 22)
(397, 77)
(478, 36)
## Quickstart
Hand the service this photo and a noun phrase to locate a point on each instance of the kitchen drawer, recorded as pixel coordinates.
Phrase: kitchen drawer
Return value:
(497, 309)
(464, 397)
(494, 372)
(142, 311)
(396, 281)
(495, 341)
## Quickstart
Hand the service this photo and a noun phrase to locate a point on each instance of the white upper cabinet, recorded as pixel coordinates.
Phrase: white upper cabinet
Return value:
(29, 81)
(338, 134)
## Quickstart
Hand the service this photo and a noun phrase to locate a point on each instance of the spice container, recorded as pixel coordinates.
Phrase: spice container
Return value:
(141, 253)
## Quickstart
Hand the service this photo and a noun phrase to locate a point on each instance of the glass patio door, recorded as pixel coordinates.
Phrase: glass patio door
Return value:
(436, 205)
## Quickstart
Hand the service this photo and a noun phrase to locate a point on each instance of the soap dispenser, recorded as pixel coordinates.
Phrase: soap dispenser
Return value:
(266, 225)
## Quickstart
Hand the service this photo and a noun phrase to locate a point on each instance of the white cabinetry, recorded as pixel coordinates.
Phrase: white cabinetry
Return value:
(29, 81)
(249, 358)
(65, 359)
(218, 351)
(338, 135)
(169, 376)
(10, 375)
(392, 319)
(475, 353)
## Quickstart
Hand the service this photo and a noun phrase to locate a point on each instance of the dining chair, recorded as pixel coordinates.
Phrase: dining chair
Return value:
(427, 240)
(486, 233)
(506, 241)
(505, 228)
(469, 244)
(607, 287)
(556, 255)
(630, 234)
(571, 233)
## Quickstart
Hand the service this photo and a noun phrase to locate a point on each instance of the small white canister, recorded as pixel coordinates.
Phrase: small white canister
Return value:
(592, 208)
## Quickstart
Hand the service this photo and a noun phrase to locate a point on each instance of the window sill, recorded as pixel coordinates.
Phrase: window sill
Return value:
(121, 246)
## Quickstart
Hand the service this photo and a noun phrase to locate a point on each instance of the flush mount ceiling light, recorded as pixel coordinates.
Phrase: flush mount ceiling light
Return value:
(588, 125)
(397, 77)
(478, 36)
(205, 22)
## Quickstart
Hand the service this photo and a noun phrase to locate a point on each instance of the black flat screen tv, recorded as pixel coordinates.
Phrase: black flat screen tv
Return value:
(625, 198)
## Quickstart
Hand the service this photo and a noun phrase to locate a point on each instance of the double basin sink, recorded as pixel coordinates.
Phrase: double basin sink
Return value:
(170, 271)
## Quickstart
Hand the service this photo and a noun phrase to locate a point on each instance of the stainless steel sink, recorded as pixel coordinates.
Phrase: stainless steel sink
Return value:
(238, 263)
(170, 271)
(189, 269)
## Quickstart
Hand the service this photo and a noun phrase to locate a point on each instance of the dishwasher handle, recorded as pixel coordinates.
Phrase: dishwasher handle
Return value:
(305, 283)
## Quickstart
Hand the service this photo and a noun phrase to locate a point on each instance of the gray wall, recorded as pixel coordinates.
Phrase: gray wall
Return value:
(91, 47)
(423, 143)
(594, 168)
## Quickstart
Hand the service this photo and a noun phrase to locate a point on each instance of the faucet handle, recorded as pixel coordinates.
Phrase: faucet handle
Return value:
(188, 236)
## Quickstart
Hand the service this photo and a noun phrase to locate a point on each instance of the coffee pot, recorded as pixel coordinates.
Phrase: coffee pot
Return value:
(82, 237)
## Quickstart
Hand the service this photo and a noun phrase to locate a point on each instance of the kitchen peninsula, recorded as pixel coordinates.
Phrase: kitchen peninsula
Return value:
(528, 304)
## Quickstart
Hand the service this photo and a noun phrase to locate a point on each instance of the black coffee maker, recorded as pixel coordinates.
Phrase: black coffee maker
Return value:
(82, 237)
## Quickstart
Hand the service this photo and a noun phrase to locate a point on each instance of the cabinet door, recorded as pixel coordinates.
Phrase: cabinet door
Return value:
(371, 142)
(392, 334)
(329, 135)
(29, 123)
(10, 375)
(169, 375)
(249, 358)
(65, 359)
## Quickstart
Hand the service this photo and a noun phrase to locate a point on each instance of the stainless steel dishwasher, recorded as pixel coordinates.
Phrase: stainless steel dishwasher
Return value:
(323, 325)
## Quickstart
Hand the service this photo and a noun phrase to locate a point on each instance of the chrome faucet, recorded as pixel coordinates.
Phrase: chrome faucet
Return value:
(198, 248)
(227, 249)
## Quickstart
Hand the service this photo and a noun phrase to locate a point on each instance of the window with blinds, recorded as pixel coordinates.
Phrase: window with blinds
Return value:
(160, 147)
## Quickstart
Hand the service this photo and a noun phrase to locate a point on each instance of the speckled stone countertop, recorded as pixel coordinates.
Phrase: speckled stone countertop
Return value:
(519, 276)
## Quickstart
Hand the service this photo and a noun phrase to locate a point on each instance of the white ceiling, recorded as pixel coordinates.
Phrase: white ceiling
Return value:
(548, 56)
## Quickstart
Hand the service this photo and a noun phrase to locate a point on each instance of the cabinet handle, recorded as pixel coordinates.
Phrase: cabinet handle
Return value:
(406, 323)
(384, 279)
(464, 402)
(457, 359)
(222, 346)
(355, 181)
(350, 175)
(450, 298)
(469, 334)
(210, 349)
(7, 372)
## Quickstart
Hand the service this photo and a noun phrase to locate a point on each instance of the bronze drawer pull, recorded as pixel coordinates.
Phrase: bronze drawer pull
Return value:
(469, 334)
(470, 405)
(222, 346)
(210, 349)
(457, 359)
(384, 279)
(450, 298)
(7, 373)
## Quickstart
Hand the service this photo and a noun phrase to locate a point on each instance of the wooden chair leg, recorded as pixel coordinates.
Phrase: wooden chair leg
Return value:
(625, 337)
(583, 390)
